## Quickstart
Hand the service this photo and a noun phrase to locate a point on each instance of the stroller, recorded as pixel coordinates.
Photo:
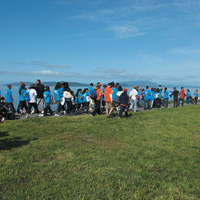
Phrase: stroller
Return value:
(5, 111)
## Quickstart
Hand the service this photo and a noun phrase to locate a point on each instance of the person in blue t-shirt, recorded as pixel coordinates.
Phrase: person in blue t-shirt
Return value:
(188, 95)
(90, 88)
(152, 98)
(47, 99)
(166, 98)
(114, 95)
(147, 94)
(22, 102)
(57, 96)
(196, 95)
(8, 98)
(79, 99)
(18, 107)
(86, 100)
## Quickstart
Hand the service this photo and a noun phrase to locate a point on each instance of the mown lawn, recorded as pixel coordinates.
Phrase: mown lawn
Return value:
(150, 155)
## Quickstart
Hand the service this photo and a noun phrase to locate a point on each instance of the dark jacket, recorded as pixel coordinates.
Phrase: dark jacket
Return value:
(40, 90)
(124, 98)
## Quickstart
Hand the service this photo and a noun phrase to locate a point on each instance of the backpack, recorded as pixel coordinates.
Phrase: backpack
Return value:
(27, 97)
(93, 94)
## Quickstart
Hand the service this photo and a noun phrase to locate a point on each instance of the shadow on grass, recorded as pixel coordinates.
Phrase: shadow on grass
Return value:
(16, 142)
(3, 134)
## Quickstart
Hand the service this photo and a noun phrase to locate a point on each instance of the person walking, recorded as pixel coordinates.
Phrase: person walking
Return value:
(147, 94)
(40, 97)
(9, 99)
(196, 95)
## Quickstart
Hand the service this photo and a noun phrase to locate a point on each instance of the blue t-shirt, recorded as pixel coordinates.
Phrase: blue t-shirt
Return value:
(46, 95)
(7, 96)
(90, 90)
(102, 96)
(188, 94)
(80, 100)
(57, 94)
(147, 93)
(152, 95)
(84, 96)
(115, 90)
(196, 95)
(22, 96)
(166, 95)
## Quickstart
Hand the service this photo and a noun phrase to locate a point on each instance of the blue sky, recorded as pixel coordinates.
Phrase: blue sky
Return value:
(100, 40)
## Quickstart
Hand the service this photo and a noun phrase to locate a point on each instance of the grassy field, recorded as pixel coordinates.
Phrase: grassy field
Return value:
(150, 155)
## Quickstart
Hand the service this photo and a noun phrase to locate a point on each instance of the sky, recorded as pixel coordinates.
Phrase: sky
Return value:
(100, 40)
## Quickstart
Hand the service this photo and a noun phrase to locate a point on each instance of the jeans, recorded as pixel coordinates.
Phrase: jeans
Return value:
(196, 99)
(123, 108)
(165, 103)
(187, 100)
(58, 106)
(158, 102)
(133, 103)
(47, 108)
(146, 104)
(181, 101)
(97, 107)
(176, 102)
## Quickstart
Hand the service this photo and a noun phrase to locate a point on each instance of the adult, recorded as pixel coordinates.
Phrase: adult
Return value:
(123, 101)
(175, 93)
(97, 100)
(40, 96)
(108, 99)
(32, 102)
(182, 96)
(133, 98)
(147, 94)
(9, 99)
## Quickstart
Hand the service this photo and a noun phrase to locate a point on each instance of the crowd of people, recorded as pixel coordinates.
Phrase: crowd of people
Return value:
(93, 100)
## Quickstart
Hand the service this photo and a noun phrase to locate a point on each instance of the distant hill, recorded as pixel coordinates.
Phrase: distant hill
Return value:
(138, 83)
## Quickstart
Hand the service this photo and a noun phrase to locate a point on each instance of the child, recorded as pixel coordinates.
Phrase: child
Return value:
(86, 100)
(47, 96)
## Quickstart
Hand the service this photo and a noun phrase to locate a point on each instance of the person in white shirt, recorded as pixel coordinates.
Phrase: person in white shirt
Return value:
(32, 101)
(133, 98)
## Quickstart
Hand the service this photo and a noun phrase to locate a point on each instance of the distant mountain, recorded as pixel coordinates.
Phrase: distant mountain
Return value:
(51, 83)
(138, 83)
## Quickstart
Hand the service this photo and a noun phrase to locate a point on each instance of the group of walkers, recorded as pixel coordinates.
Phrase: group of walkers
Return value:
(93, 100)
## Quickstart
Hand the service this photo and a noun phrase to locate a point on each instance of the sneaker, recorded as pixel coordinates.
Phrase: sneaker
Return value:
(32, 112)
(64, 112)
(42, 112)
(27, 116)
(91, 115)
(57, 115)
(41, 115)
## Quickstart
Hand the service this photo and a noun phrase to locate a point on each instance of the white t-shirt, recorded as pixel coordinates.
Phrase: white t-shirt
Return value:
(133, 93)
(33, 95)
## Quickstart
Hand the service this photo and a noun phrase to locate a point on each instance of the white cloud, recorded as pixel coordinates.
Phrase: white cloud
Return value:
(42, 64)
(126, 31)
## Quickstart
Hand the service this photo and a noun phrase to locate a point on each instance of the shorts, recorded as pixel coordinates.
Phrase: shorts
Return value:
(40, 102)
(108, 105)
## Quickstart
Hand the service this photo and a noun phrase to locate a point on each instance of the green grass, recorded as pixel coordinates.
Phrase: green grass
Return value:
(151, 155)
